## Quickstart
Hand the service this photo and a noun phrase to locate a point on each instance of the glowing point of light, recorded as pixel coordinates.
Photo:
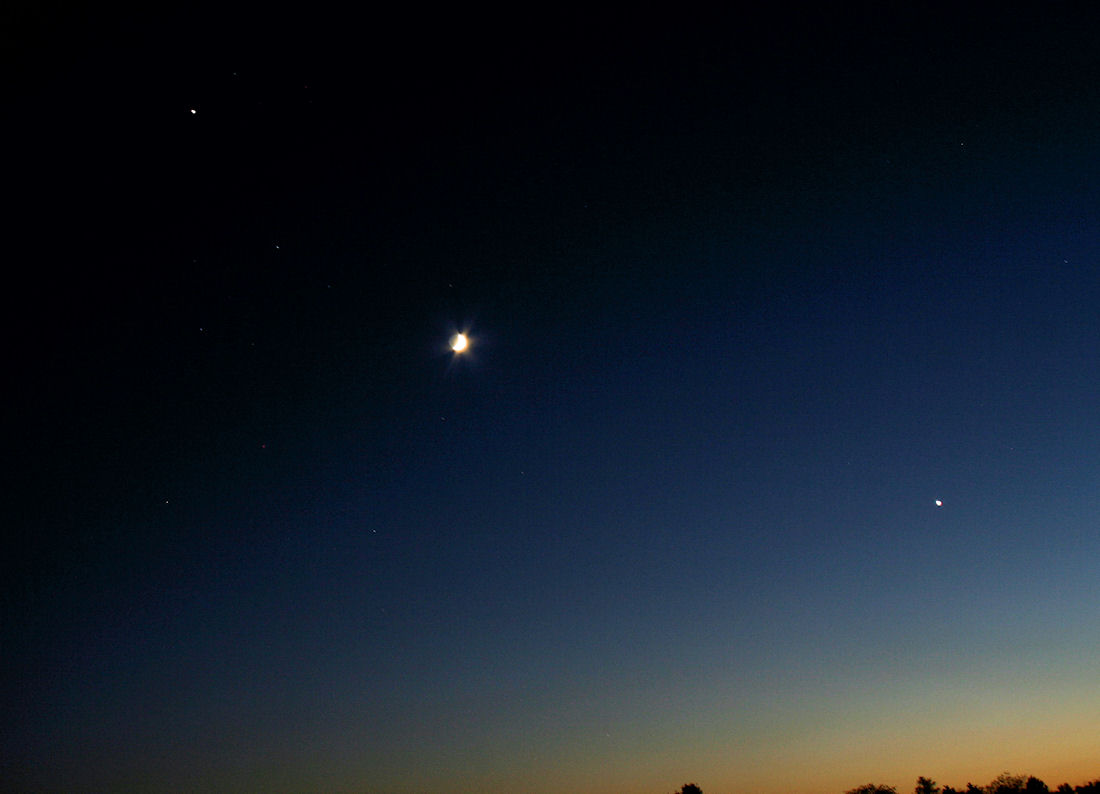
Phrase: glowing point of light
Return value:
(939, 503)
(193, 111)
(460, 343)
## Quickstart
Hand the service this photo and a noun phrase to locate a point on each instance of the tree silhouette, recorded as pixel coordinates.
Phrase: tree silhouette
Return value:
(1006, 783)
(926, 786)
(690, 788)
(1035, 786)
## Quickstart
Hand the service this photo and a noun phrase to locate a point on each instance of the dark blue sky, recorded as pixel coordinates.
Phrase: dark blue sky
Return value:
(746, 297)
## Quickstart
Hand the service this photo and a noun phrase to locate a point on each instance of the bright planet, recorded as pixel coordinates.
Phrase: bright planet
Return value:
(460, 343)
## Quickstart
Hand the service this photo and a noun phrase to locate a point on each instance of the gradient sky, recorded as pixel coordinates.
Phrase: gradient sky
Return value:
(745, 297)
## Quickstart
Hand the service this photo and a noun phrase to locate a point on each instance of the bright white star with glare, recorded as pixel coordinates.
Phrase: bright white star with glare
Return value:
(939, 503)
(460, 343)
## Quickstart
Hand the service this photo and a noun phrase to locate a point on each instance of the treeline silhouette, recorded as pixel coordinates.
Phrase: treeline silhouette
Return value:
(1004, 783)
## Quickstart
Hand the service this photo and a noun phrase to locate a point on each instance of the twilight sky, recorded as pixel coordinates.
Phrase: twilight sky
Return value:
(772, 465)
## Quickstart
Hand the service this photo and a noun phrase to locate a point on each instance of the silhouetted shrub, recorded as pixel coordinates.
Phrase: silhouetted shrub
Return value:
(872, 788)
(926, 785)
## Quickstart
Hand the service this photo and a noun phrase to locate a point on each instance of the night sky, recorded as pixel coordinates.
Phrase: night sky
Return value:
(773, 463)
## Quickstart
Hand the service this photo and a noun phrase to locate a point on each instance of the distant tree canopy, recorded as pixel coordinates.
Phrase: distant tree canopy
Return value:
(1004, 783)
(1092, 787)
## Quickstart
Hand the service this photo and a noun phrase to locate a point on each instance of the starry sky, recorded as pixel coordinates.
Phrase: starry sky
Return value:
(772, 463)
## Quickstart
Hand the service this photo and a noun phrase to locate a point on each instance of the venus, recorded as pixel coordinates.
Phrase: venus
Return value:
(460, 343)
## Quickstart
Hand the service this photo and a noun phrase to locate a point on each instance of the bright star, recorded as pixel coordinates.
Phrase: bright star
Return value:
(939, 503)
